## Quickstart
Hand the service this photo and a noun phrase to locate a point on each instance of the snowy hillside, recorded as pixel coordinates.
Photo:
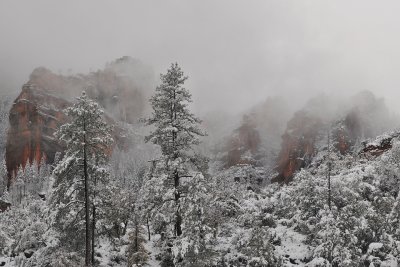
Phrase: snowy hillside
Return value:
(166, 200)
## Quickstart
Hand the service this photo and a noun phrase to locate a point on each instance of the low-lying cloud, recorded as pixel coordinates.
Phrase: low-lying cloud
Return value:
(236, 52)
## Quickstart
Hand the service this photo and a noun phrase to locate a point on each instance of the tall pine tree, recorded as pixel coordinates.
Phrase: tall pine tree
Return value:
(79, 174)
(176, 132)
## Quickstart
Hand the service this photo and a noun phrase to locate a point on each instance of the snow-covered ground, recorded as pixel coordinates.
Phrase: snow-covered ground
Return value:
(292, 247)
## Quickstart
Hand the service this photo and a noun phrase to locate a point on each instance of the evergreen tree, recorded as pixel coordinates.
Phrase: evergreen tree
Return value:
(192, 248)
(80, 174)
(177, 128)
(176, 132)
(137, 254)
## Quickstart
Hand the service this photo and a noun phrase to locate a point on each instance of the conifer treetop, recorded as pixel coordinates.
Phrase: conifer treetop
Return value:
(177, 129)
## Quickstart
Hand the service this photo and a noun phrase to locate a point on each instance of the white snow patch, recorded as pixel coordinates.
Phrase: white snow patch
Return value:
(374, 247)
(292, 245)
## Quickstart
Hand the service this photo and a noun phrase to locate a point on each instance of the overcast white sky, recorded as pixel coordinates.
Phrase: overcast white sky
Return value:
(235, 52)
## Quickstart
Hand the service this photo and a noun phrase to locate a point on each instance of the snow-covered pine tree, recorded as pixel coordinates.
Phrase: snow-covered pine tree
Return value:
(176, 129)
(176, 132)
(137, 255)
(79, 174)
(3, 177)
(44, 174)
(193, 247)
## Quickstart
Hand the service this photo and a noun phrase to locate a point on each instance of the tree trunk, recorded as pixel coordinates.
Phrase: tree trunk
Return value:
(87, 216)
(117, 230)
(178, 218)
(148, 227)
(94, 220)
(136, 236)
(125, 227)
(215, 230)
(93, 233)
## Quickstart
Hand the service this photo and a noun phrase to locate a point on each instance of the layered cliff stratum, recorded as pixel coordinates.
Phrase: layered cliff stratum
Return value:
(252, 139)
(122, 88)
(244, 144)
(34, 117)
(324, 123)
(273, 136)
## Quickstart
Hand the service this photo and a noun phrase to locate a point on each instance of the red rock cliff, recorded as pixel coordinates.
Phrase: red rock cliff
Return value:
(298, 145)
(304, 131)
(347, 132)
(37, 111)
(243, 144)
(34, 117)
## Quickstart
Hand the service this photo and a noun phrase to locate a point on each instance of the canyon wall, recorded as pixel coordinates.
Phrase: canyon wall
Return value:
(363, 116)
(34, 117)
(38, 110)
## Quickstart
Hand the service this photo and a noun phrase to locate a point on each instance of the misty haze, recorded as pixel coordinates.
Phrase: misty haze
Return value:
(200, 133)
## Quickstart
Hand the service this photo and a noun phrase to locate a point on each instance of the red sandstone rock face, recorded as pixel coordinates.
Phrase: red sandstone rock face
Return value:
(245, 140)
(34, 117)
(258, 137)
(377, 150)
(302, 134)
(379, 146)
(38, 111)
(347, 132)
(298, 145)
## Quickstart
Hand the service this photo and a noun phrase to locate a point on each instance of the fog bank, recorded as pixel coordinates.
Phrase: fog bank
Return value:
(236, 52)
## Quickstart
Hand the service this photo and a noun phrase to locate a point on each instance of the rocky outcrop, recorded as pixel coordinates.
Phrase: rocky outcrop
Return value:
(34, 117)
(363, 117)
(38, 111)
(347, 131)
(298, 145)
(122, 87)
(379, 146)
(4, 205)
(307, 133)
(257, 138)
(244, 144)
